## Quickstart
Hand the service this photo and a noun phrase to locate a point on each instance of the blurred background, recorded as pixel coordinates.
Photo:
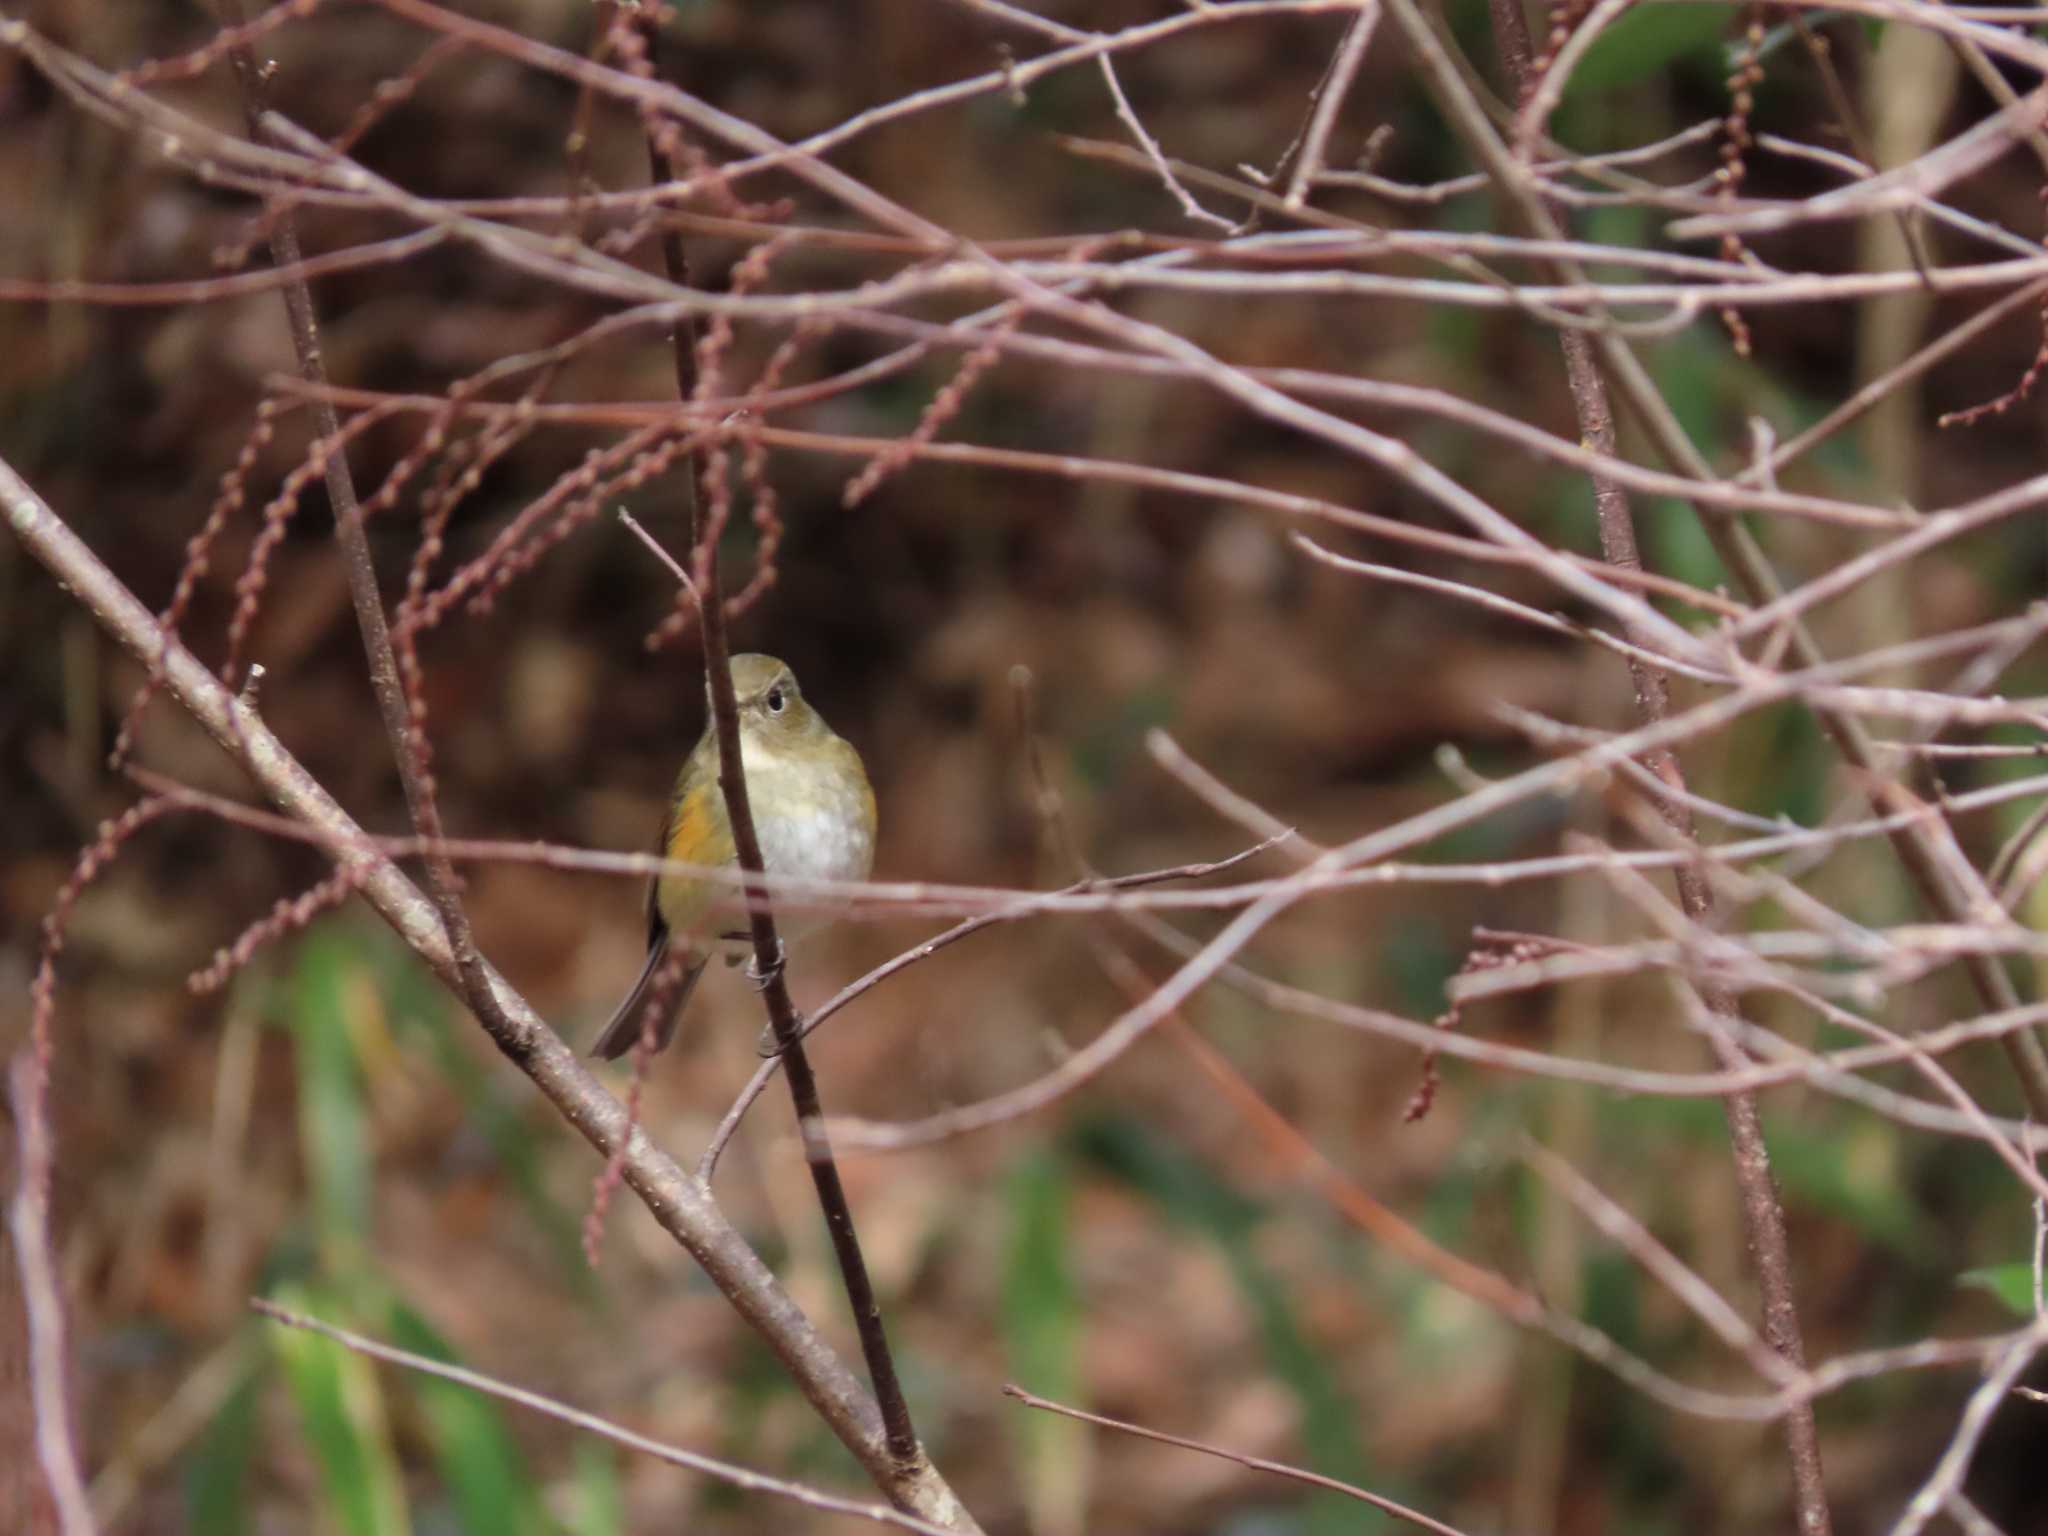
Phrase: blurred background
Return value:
(332, 1131)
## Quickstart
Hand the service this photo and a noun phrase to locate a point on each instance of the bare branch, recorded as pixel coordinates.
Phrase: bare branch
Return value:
(678, 1201)
(1379, 1502)
(710, 1466)
(49, 1360)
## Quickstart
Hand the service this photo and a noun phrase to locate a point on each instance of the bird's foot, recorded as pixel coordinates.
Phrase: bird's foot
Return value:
(768, 1046)
(760, 979)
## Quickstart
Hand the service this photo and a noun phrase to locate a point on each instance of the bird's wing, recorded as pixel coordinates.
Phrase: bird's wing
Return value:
(695, 831)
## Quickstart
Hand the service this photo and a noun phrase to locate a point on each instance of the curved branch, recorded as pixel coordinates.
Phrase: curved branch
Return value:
(680, 1202)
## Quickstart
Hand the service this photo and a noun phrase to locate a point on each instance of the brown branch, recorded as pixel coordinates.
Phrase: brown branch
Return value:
(1737, 548)
(707, 1164)
(403, 716)
(1585, 313)
(1398, 1236)
(49, 1361)
(576, 1418)
(1393, 1232)
(1998, 1384)
(1828, 1073)
(899, 1433)
(1257, 1463)
(1731, 494)
(1328, 99)
(1763, 1211)
(680, 1203)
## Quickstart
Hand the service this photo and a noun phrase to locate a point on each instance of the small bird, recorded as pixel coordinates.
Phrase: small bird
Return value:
(814, 813)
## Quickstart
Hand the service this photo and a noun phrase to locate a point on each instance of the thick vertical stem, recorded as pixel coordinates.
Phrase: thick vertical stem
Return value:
(782, 1015)
(1763, 1212)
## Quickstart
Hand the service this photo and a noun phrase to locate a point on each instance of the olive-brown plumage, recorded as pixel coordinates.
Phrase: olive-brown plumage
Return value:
(814, 814)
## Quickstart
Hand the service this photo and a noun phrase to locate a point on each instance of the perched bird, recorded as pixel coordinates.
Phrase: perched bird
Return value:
(813, 812)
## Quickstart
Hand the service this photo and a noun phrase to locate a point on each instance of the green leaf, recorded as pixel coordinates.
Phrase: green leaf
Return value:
(217, 1472)
(1679, 546)
(1799, 761)
(597, 1502)
(1850, 1173)
(1420, 964)
(1645, 40)
(1041, 1318)
(1853, 1175)
(1568, 516)
(478, 1458)
(2012, 818)
(1694, 373)
(2012, 1284)
(341, 1411)
(333, 1123)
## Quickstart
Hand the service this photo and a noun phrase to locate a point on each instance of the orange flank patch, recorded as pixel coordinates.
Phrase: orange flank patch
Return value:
(698, 835)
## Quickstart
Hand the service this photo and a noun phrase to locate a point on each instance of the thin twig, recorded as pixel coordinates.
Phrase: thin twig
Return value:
(1763, 1212)
(1631, 1235)
(660, 552)
(1947, 1477)
(1733, 542)
(1256, 1463)
(1150, 146)
(707, 1163)
(679, 1202)
(1330, 94)
(576, 1418)
(49, 1361)
(403, 715)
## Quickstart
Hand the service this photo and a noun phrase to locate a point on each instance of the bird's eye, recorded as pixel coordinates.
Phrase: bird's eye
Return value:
(776, 700)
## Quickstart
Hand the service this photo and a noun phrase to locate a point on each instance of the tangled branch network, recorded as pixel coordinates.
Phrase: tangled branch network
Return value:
(1732, 930)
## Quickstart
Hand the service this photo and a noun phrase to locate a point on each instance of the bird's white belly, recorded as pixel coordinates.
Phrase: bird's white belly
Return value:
(821, 842)
(807, 833)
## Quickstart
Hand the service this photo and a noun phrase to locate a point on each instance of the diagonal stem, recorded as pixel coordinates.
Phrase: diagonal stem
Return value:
(368, 600)
(590, 1423)
(475, 980)
(681, 1204)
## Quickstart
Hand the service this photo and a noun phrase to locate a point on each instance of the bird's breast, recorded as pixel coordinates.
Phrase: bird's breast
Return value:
(814, 820)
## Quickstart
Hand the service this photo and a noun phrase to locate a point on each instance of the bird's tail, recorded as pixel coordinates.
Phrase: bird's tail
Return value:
(621, 1034)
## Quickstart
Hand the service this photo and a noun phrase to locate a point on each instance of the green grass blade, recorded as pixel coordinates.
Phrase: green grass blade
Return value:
(1041, 1320)
(342, 1414)
(598, 1507)
(472, 1443)
(217, 1472)
(327, 984)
